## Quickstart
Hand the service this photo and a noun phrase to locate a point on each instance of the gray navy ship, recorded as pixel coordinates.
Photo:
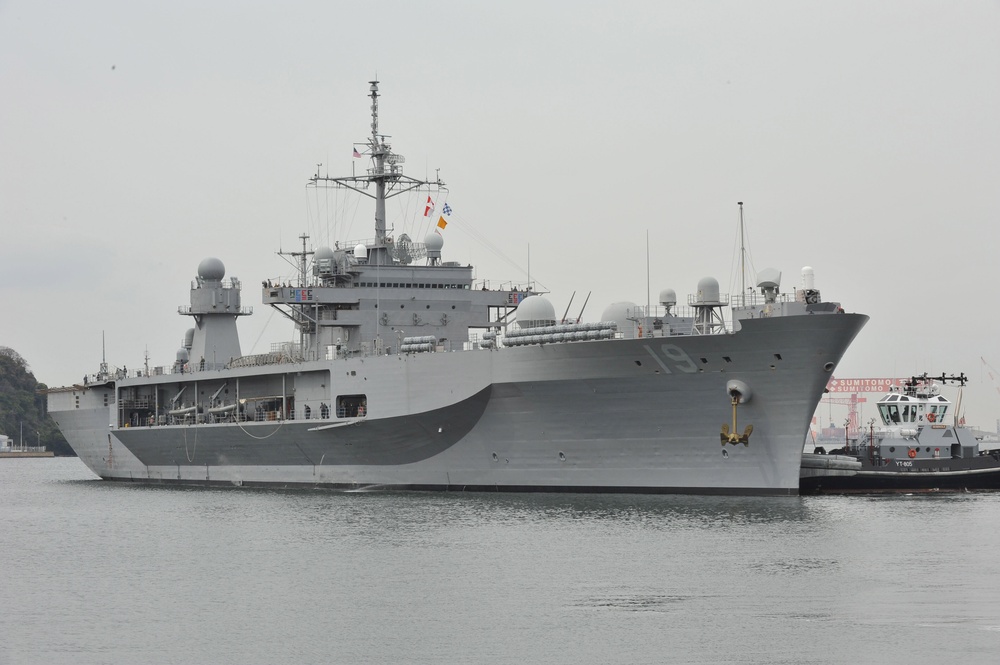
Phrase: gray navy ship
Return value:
(407, 373)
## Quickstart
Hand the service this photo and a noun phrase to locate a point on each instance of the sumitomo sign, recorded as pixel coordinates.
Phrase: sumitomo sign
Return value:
(871, 385)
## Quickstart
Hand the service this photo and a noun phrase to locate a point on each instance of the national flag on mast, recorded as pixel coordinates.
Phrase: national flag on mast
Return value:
(356, 153)
(442, 223)
(428, 207)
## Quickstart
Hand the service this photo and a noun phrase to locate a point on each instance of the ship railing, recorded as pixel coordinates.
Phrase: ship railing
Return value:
(137, 403)
(660, 311)
(246, 415)
(15, 448)
(349, 245)
(261, 416)
(186, 310)
(232, 283)
(180, 368)
(524, 289)
(758, 299)
(261, 360)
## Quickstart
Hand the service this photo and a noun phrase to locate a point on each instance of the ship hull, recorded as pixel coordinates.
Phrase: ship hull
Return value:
(927, 475)
(641, 415)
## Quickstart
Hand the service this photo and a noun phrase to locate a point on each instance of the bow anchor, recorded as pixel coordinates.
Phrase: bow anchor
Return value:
(733, 437)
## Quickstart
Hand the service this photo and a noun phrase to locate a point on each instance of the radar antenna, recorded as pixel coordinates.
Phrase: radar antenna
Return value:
(386, 173)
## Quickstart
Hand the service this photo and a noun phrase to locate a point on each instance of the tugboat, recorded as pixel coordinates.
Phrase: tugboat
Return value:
(913, 450)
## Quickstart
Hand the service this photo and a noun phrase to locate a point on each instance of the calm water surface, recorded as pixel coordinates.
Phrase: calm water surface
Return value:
(94, 572)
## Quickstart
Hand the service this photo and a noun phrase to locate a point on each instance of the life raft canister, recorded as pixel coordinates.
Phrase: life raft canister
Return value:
(912, 453)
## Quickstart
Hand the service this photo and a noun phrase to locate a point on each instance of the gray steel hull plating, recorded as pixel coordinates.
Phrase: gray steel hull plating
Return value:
(639, 415)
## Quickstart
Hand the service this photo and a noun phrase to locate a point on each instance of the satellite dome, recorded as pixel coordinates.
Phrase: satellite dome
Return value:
(434, 242)
(769, 278)
(182, 355)
(211, 269)
(535, 311)
(708, 291)
(323, 261)
(808, 278)
(360, 251)
(668, 297)
(619, 312)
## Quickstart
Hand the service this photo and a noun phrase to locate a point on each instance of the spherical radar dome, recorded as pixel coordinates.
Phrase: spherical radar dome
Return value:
(535, 311)
(620, 312)
(434, 242)
(708, 290)
(211, 269)
(323, 253)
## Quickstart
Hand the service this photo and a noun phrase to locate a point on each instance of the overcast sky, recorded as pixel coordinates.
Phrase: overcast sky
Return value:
(137, 139)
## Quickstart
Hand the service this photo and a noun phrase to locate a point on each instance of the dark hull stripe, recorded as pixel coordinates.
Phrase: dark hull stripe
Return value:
(955, 481)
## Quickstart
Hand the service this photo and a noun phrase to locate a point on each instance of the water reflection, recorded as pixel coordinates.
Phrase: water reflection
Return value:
(250, 575)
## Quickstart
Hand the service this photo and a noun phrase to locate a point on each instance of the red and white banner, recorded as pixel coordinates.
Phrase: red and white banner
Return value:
(872, 385)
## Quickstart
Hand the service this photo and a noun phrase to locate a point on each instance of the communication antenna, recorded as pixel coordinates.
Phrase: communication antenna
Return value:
(743, 253)
(568, 305)
(585, 301)
(104, 359)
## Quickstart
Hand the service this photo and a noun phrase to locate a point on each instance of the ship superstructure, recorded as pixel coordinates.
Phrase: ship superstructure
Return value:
(407, 373)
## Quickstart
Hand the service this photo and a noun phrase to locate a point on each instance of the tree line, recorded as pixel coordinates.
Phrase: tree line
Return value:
(22, 406)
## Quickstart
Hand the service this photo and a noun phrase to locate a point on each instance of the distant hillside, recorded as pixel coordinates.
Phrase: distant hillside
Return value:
(21, 405)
